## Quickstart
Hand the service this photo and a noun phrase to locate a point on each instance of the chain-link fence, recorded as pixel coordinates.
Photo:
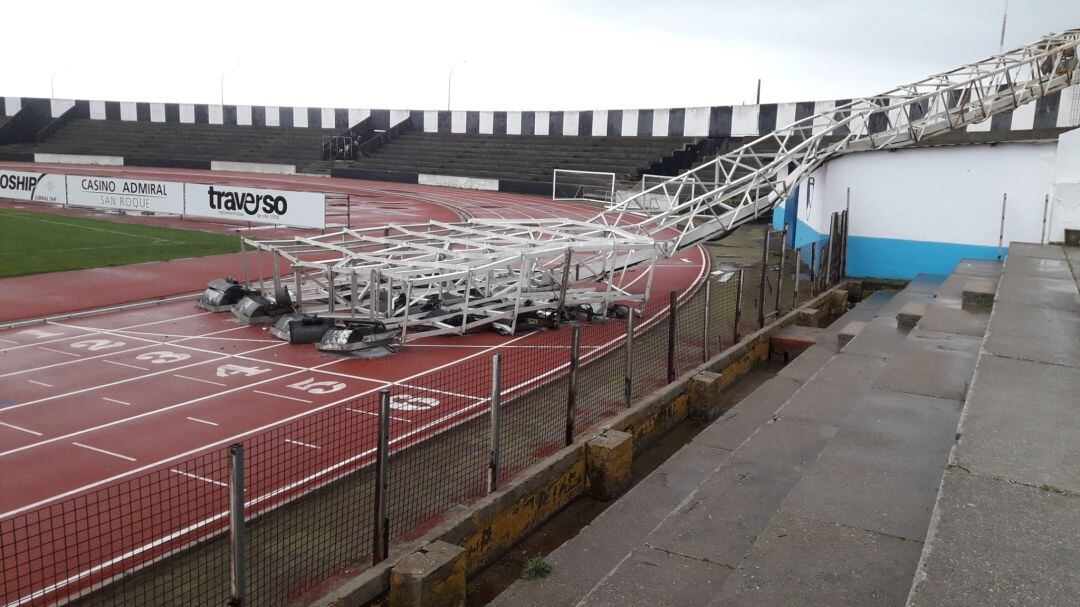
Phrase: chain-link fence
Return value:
(279, 517)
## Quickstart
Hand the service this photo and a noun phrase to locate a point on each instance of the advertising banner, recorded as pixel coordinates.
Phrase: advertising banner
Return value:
(126, 194)
(33, 187)
(257, 205)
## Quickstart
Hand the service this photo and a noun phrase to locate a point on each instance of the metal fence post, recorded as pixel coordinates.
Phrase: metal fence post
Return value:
(738, 307)
(237, 543)
(780, 271)
(764, 278)
(795, 278)
(1001, 230)
(1042, 233)
(833, 219)
(673, 324)
(705, 322)
(847, 214)
(244, 258)
(628, 376)
(496, 420)
(571, 394)
(381, 536)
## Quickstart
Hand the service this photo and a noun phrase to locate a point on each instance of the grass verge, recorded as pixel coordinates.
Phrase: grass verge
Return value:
(33, 243)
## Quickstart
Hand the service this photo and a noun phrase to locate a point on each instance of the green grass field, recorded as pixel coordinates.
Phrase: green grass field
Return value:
(32, 243)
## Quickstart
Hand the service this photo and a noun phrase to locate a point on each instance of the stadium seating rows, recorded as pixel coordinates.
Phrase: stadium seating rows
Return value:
(509, 157)
(203, 142)
(520, 157)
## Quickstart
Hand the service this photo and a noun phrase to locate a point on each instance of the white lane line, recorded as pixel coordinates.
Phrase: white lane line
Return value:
(113, 400)
(308, 445)
(278, 423)
(205, 381)
(59, 351)
(113, 362)
(90, 331)
(163, 410)
(219, 357)
(130, 459)
(149, 344)
(8, 341)
(303, 400)
(40, 383)
(14, 427)
(198, 478)
(400, 419)
(203, 421)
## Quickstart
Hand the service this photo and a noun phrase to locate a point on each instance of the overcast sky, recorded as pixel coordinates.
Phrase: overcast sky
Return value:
(556, 54)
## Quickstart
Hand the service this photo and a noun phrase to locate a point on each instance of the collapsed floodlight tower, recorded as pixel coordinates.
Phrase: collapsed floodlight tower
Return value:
(442, 278)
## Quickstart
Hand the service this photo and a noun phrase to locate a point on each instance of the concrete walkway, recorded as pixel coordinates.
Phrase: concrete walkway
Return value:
(816, 489)
(1006, 526)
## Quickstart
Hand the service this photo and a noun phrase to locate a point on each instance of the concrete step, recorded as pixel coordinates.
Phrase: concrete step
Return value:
(1009, 502)
(676, 537)
(816, 489)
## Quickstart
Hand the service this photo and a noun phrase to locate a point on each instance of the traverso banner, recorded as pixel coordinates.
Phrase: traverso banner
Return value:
(35, 187)
(284, 207)
(126, 194)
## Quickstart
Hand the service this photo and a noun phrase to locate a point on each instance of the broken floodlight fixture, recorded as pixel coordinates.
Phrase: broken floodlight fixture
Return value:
(222, 294)
(301, 328)
(256, 308)
(356, 335)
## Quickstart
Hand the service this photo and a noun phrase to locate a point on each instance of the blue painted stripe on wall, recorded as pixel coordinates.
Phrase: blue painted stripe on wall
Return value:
(903, 259)
(804, 232)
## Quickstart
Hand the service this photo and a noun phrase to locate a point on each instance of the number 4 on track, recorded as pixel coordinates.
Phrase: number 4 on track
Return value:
(232, 369)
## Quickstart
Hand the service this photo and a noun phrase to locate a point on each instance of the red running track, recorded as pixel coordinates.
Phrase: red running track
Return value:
(94, 401)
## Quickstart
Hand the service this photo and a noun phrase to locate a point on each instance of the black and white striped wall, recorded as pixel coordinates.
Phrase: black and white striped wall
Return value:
(1058, 110)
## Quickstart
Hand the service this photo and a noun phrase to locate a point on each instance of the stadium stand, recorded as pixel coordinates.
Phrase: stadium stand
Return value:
(516, 157)
(157, 143)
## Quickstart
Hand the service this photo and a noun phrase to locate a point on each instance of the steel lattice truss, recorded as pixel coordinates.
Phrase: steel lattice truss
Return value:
(719, 195)
(444, 278)
(437, 278)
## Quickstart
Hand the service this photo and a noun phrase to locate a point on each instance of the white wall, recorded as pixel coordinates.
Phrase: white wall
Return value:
(1066, 195)
(948, 194)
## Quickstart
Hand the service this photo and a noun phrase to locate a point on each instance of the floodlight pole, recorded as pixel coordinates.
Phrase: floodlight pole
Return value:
(449, 81)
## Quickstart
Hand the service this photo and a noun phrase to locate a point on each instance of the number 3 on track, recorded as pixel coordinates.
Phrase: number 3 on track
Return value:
(311, 386)
(162, 357)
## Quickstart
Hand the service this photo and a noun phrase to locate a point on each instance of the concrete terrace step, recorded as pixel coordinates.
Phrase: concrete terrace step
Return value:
(1005, 522)
(817, 489)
